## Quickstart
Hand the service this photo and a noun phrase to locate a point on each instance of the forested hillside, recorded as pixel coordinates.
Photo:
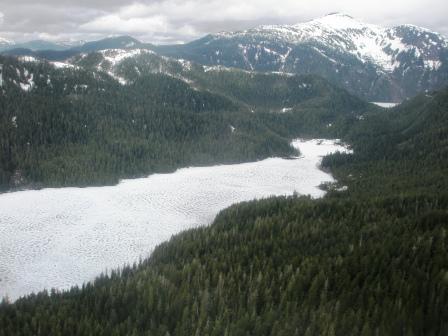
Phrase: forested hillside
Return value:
(402, 150)
(367, 261)
(293, 105)
(90, 123)
(73, 127)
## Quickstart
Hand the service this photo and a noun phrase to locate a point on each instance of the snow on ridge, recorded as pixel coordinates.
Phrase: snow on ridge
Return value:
(115, 56)
(282, 73)
(223, 68)
(62, 65)
(186, 65)
(341, 32)
(418, 28)
(366, 41)
(339, 21)
(216, 68)
(28, 59)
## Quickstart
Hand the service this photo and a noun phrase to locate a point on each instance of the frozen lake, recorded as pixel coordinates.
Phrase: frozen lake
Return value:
(56, 238)
(385, 104)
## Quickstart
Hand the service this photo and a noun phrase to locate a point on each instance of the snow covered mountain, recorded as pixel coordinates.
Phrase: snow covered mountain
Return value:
(369, 43)
(36, 45)
(61, 51)
(376, 63)
(125, 69)
(372, 62)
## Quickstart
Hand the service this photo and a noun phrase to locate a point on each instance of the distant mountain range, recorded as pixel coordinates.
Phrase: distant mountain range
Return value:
(62, 51)
(38, 45)
(126, 113)
(375, 63)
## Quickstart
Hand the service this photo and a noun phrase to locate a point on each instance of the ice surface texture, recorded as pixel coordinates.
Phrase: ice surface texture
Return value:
(56, 238)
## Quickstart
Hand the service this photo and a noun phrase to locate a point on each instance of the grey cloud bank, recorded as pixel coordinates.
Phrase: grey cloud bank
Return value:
(176, 21)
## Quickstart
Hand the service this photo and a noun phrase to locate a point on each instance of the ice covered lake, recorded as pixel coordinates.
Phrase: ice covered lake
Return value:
(387, 105)
(56, 238)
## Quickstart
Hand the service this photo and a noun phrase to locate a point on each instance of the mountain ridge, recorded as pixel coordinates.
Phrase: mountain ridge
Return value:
(370, 61)
(121, 113)
(373, 62)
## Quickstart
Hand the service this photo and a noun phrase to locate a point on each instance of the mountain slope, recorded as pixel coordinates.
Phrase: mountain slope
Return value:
(378, 64)
(62, 51)
(293, 105)
(259, 92)
(402, 150)
(370, 260)
(128, 112)
(37, 45)
(119, 42)
(372, 62)
(64, 125)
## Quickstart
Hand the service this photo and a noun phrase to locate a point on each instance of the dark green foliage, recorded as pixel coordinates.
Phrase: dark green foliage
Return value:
(403, 150)
(285, 266)
(81, 128)
(368, 261)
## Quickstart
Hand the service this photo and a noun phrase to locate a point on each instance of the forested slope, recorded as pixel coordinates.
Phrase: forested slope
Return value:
(74, 127)
(403, 150)
(368, 261)
(79, 124)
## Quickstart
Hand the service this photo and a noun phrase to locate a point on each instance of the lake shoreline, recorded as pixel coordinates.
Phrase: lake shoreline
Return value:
(60, 237)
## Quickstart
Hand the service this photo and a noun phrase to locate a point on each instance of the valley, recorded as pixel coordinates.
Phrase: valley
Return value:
(59, 238)
(192, 189)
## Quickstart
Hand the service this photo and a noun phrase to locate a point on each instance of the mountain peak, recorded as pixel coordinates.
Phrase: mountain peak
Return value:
(338, 21)
(338, 14)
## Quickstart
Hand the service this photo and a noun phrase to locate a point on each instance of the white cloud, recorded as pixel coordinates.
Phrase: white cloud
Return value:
(119, 24)
(176, 20)
(162, 18)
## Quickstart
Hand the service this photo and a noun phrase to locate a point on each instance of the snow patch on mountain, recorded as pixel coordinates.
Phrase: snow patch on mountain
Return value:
(343, 33)
(186, 65)
(29, 84)
(62, 65)
(223, 68)
(28, 59)
(115, 56)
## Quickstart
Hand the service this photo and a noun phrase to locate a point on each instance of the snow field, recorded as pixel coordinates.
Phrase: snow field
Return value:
(57, 238)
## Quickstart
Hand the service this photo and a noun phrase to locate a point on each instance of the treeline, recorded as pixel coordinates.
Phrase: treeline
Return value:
(74, 128)
(403, 150)
(79, 126)
(367, 261)
(370, 260)
(285, 266)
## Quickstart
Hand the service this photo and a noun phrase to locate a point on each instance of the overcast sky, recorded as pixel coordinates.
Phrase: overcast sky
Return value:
(175, 21)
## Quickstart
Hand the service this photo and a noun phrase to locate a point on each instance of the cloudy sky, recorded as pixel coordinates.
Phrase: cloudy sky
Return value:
(176, 21)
